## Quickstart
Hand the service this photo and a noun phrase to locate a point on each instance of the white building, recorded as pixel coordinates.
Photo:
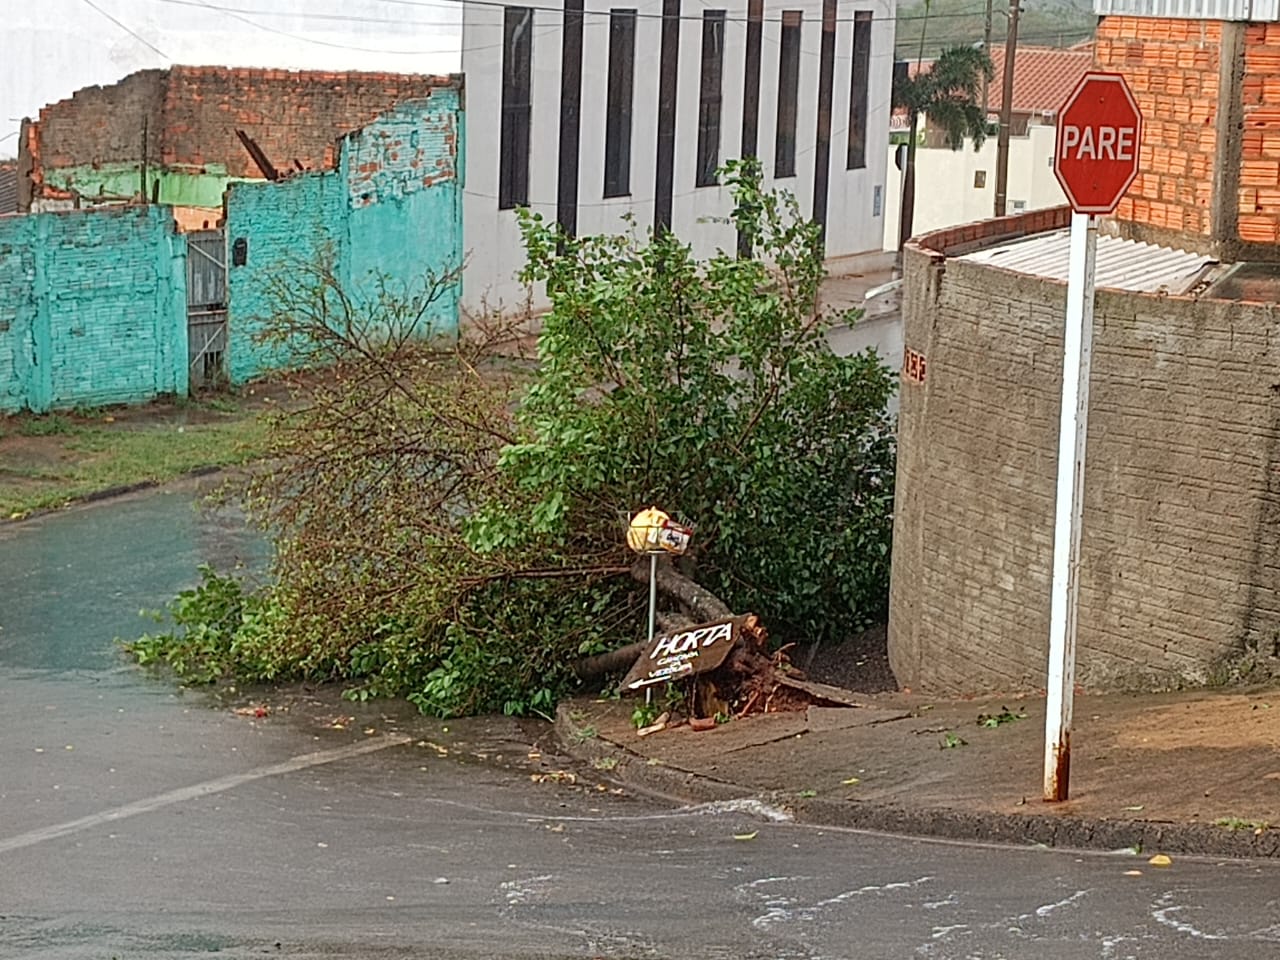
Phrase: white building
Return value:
(593, 111)
(959, 186)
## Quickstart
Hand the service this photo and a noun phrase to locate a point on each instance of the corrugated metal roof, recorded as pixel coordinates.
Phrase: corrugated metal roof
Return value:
(1255, 11)
(1121, 264)
(8, 188)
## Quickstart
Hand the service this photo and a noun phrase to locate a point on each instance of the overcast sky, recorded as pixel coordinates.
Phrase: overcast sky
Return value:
(51, 48)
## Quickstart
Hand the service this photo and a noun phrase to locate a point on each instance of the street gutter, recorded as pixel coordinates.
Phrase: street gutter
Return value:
(1067, 831)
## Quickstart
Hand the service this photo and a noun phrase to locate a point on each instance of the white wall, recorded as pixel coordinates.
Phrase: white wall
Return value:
(490, 235)
(946, 196)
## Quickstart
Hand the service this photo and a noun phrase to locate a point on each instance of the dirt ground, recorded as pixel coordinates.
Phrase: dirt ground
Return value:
(860, 664)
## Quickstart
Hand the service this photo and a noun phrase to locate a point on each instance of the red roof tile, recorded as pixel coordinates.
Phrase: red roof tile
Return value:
(1043, 77)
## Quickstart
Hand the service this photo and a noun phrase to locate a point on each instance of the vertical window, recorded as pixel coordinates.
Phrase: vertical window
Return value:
(570, 117)
(517, 81)
(784, 145)
(751, 77)
(751, 98)
(858, 90)
(617, 129)
(664, 168)
(822, 136)
(709, 97)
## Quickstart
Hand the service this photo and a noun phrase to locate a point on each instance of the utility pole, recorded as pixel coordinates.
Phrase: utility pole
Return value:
(986, 48)
(1006, 109)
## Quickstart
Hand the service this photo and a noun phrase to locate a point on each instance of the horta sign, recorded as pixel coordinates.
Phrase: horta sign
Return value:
(674, 656)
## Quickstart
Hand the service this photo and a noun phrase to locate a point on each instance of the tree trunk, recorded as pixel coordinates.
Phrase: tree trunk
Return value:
(700, 603)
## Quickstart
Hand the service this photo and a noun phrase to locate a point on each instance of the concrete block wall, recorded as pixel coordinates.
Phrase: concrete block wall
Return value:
(92, 308)
(1181, 545)
(391, 211)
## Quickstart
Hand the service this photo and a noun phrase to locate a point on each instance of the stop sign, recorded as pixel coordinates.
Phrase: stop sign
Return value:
(1099, 131)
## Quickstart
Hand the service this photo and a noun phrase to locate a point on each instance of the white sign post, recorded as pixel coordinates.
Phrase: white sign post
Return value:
(1095, 160)
(1073, 429)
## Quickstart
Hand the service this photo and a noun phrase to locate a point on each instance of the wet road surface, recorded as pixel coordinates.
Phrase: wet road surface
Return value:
(137, 820)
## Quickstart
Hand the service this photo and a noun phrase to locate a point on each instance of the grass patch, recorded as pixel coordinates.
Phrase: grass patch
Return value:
(53, 424)
(90, 458)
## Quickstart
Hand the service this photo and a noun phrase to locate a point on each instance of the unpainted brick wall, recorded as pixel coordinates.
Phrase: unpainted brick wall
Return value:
(293, 116)
(1180, 561)
(1259, 212)
(98, 125)
(190, 116)
(1172, 68)
(92, 308)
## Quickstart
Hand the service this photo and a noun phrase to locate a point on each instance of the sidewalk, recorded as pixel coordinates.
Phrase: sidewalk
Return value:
(1174, 773)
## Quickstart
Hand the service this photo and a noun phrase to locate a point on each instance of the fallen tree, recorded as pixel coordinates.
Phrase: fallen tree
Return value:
(449, 517)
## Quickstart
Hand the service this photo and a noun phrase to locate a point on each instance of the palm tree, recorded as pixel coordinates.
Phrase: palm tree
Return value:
(949, 93)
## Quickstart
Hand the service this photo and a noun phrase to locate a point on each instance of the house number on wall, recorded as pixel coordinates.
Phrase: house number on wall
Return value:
(913, 366)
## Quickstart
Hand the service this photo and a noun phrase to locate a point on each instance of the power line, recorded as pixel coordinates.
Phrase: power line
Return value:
(230, 12)
(137, 36)
(499, 4)
(243, 15)
(302, 15)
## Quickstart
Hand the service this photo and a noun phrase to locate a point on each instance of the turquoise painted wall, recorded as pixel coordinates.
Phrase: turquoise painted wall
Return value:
(178, 187)
(392, 208)
(92, 308)
(282, 224)
(18, 310)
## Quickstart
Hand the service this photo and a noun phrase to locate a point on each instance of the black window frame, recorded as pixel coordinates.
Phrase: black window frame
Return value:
(859, 90)
(620, 101)
(784, 140)
(710, 99)
(517, 107)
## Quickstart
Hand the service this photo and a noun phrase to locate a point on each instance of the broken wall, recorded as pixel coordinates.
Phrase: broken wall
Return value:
(391, 213)
(92, 143)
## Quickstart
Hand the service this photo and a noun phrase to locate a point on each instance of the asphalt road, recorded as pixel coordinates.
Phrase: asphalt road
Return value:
(138, 821)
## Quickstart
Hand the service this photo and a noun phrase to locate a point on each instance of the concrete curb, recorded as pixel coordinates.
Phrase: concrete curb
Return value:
(1145, 836)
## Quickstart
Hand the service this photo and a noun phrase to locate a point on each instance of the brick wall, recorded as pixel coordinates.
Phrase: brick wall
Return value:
(391, 211)
(1181, 547)
(100, 125)
(191, 115)
(17, 311)
(92, 308)
(1172, 67)
(293, 116)
(285, 227)
(1259, 196)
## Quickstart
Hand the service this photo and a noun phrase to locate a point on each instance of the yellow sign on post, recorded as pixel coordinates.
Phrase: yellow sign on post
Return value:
(653, 531)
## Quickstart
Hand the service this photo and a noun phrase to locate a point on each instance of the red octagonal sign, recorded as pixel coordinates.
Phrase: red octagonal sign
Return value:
(1099, 131)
